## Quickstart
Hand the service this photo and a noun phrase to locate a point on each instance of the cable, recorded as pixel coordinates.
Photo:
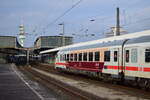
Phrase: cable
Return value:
(146, 19)
(64, 13)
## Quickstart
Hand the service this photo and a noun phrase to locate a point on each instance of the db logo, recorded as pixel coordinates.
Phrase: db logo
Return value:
(97, 64)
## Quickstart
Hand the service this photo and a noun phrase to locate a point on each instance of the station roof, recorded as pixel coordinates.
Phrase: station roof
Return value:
(10, 45)
(51, 50)
(52, 41)
(9, 42)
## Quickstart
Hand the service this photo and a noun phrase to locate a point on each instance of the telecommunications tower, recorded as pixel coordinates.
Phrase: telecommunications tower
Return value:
(21, 35)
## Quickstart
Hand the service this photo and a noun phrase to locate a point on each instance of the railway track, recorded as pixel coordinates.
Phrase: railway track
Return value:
(124, 88)
(68, 92)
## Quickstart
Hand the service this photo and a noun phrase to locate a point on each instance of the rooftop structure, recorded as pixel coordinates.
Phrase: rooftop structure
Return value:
(113, 32)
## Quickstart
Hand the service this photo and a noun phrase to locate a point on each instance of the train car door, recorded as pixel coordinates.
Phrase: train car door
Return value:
(126, 59)
(131, 65)
(115, 60)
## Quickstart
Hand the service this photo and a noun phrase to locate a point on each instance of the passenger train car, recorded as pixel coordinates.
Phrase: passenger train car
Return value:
(125, 57)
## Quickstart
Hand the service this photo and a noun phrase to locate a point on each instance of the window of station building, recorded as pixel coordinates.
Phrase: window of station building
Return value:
(90, 56)
(107, 56)
(71, 57)
(75, 57)
(115, 56)
(85, 56)
(127, 56)
(67, 57)
(97, 56)
(80, 57)
(134, 55)
(147, 55)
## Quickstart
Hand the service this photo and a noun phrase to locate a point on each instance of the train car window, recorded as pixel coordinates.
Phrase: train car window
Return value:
(61, 57)
(115, 56)
(90, 56)
(80, 56)
(71, 57)
(107, 56)
(67, 57)
(84, 56)
(75, 57)
(127, 56)
(97, 56)
(147, 55)
(134, 55)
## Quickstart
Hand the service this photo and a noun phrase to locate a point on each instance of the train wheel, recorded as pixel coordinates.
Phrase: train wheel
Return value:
(121, 78)
(147, 84)
(144, 83)
(99, 76)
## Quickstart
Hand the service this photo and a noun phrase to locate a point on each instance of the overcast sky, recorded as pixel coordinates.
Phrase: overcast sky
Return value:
(38, 17)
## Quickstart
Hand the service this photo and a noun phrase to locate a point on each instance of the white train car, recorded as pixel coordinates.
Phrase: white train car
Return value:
(125, 57)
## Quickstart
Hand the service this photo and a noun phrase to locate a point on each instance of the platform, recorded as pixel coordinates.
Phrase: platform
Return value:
(12, 87)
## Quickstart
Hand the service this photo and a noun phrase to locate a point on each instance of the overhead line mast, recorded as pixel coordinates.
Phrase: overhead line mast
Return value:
(118, 23)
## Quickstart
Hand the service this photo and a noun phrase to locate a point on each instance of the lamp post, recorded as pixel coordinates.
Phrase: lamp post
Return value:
(28, 56)
(92, 20)
(63, 39)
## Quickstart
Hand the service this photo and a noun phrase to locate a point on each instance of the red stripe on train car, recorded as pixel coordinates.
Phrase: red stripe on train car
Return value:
(87, 69)
(115, 67)
(61, 64)
(131, 68)
(146, 69)
(112, 67)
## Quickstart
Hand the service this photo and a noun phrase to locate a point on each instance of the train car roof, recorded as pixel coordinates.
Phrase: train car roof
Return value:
(142, 39)
(103, 40)
(139, 40)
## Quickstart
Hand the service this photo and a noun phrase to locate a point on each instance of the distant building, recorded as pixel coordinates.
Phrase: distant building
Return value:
(113, 32)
